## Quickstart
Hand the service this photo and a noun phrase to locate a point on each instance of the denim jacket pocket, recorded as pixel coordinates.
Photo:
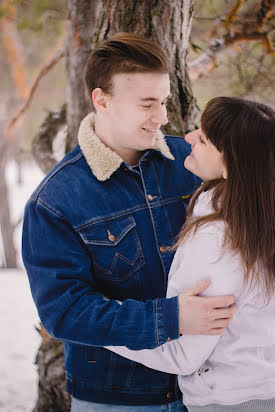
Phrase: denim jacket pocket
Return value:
(115, 247)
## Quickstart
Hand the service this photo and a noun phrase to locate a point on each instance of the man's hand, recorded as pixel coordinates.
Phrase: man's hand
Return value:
(204, 315)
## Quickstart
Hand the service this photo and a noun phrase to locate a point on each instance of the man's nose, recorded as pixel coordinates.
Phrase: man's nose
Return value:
(160, 115)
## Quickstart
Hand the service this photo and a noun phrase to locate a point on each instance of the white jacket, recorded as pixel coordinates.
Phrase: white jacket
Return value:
(237, 366)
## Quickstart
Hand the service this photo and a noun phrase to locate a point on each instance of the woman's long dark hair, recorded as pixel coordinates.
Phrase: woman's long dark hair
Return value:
(244, 132)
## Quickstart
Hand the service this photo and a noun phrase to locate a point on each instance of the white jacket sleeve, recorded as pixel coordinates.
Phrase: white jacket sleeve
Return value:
(200, 256)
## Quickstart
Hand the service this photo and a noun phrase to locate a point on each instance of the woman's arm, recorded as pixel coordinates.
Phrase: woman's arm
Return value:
(201, 256)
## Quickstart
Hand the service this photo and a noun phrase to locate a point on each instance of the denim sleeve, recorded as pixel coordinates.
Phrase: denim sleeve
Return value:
(64, 291)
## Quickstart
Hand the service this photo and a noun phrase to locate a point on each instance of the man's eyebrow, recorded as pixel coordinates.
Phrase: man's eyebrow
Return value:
(153, 99)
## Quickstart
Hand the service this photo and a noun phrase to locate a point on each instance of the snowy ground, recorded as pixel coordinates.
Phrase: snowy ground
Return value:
(19, 342)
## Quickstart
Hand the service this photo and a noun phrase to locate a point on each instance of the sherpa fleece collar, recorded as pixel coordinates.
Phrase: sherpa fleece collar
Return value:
(102, 160)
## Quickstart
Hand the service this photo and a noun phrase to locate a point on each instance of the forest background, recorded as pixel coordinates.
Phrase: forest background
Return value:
(231, 53)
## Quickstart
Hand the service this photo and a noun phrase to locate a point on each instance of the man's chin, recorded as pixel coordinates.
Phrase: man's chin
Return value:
(151, 143)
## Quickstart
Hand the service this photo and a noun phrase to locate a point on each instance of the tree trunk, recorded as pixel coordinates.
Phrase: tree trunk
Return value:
(81, 26)
(6, 225)
(52, 396)
(169, 24)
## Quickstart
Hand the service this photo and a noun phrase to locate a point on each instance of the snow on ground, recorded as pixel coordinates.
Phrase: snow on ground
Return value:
(19, 342)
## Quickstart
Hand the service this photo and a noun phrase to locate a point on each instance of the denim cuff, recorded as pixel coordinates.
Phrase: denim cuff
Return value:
(167, 320)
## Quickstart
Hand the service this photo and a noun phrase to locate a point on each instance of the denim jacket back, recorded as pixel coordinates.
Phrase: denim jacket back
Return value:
(88, 244)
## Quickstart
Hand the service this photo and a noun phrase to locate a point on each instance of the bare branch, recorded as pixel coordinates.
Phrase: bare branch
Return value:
(45, 69)
(232, 13)
(251, 28)
(221, 18)
(14, 51)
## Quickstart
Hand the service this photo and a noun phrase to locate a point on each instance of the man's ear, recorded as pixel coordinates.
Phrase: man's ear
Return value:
(99, 99)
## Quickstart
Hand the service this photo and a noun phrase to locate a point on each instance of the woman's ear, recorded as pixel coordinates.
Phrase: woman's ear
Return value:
(224, 173)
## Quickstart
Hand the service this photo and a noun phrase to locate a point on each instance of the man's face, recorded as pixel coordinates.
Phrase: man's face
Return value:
(135, 110)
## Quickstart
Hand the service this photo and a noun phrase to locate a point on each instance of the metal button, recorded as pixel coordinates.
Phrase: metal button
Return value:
(162, 249)
(169, 339)
(169, 395)
(111, 237)
(150, 198)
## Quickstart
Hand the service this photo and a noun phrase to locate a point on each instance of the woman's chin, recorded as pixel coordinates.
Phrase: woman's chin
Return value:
(188, 164)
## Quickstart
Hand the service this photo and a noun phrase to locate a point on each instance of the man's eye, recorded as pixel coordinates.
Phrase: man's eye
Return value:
(201, 140)
(147, 107)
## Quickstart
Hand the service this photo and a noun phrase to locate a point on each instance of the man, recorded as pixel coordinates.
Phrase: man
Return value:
(96, 232)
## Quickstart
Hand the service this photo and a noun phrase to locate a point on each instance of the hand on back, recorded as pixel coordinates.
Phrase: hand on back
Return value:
(204, 315)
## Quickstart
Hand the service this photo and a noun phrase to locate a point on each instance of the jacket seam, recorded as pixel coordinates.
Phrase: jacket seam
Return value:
(46, 206)
(167, 216)
(73, 160)
(125, 212)
(157, 326)
(121, 388)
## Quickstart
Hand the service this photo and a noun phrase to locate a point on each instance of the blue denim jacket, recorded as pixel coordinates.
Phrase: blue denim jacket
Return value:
(94, 233)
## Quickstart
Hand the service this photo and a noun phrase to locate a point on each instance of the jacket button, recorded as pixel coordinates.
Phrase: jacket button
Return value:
(169, 339)
(150, 198)
(111, 237)
(162, 249)
(169, 395)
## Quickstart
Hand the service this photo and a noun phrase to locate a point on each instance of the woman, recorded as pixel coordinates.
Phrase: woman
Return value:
(228, 235)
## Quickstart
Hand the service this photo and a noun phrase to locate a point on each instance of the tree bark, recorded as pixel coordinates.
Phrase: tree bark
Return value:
(42, 144)
(169, 24)
(52, 396)
(7, 228)
(81, 26)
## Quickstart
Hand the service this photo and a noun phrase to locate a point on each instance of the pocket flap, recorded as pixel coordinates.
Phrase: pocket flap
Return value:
(109, 232)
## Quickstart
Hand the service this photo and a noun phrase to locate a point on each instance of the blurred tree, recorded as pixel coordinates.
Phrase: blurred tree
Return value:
(232, 49)
(14, 55)
(240, 23)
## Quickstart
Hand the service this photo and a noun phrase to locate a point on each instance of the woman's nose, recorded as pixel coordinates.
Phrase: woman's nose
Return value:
(186, 137)
(189, 138)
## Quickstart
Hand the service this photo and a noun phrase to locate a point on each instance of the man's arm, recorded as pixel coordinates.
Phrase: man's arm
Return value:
(65, 293)
(69, 304)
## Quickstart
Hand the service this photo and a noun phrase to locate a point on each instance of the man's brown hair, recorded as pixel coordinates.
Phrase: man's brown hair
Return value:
(122, 53)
